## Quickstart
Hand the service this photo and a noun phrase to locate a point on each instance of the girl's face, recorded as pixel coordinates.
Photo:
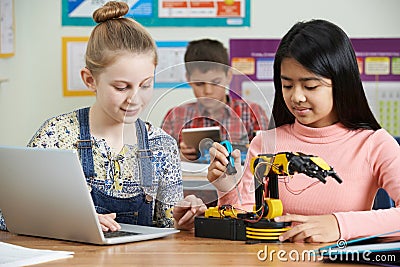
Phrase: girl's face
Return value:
(308, 96)
(125, 87)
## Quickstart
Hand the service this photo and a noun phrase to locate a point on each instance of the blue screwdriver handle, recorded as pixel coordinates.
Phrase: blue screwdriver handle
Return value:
(230, 168)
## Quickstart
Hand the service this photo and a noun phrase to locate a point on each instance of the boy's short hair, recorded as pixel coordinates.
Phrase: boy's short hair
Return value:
(205, 55)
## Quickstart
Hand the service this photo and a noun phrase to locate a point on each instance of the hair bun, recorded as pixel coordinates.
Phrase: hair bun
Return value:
(111, 10)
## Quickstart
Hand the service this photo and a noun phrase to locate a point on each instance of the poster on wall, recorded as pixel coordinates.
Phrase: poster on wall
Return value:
(73, 60)
(378, 62)
(379, 65)
(161, 13)
(252, 61)
(170, 70)
(7, 28)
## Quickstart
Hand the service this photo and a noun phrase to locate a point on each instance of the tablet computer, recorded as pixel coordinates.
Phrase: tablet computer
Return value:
(196, 137)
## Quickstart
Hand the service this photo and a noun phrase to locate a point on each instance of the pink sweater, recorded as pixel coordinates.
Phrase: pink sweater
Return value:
(364, 159)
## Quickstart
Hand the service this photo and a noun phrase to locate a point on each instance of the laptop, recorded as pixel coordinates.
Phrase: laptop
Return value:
(43, 192)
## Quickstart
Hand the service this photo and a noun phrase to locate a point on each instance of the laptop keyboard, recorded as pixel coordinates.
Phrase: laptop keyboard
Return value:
(118, 234)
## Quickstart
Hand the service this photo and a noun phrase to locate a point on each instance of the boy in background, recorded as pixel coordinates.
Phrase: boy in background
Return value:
(209, 74)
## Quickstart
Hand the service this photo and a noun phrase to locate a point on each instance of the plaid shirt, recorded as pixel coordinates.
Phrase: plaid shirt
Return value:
(239, 120)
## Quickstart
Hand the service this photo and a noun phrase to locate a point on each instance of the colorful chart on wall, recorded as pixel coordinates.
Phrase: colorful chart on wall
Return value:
(378, 61)
(252, 60)
(161, 13)
(379, 65)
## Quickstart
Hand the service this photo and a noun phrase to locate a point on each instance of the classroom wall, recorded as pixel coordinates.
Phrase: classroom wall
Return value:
(33, 92)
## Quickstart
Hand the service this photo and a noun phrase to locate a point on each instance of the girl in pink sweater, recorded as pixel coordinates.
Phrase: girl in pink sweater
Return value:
(320, 109)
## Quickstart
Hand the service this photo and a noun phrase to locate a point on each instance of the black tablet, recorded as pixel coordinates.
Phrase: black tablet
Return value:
(201, 137)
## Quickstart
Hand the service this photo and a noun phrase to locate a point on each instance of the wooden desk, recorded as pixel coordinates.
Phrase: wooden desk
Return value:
(178, 249)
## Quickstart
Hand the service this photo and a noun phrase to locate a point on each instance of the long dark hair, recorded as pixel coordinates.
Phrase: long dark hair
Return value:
(324, 49)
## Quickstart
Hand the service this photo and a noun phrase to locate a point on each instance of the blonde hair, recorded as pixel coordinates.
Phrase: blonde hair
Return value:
(115, 35)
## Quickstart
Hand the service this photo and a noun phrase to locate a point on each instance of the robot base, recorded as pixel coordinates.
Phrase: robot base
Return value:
(265, 231)
(221, 228)
(235, 229)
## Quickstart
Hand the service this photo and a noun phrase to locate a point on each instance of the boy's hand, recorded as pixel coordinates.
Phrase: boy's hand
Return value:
(188, 153)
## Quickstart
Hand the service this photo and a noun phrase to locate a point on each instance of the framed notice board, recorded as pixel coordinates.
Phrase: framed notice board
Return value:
(7, 28)
(170, 71)
(73, 60)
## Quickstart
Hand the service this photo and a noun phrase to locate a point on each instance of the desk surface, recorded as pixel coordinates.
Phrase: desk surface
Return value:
(178, 249)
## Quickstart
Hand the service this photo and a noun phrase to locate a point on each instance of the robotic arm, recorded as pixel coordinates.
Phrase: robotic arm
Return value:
(271, 166)
(287, 163)
(227, 222)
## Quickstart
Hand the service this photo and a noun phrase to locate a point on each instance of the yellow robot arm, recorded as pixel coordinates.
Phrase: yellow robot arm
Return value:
(271, 166)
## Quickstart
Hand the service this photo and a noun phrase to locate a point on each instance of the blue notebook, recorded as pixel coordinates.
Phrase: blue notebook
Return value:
(382, 250)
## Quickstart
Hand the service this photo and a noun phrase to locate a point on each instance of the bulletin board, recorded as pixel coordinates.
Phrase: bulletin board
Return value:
(379, 65)
(73, 60)
(170, 70)
(7, 28)
(253, 60)
(378, 61)
(165, 13)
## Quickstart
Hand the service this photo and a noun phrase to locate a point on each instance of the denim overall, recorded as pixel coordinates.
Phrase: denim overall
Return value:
(134, 210)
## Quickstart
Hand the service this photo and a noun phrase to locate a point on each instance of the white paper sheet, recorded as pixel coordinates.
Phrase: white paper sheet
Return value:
(12, 255)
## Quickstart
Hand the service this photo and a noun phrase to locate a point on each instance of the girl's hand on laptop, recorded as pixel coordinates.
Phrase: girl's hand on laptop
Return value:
(186, 210)
(108, 223)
